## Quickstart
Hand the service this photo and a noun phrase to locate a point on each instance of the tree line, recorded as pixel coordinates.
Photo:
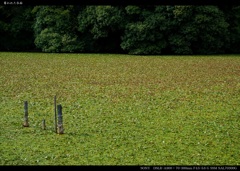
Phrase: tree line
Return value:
(132, 29)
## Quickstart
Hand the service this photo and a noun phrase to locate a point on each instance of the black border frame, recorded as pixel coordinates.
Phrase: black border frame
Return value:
(119, 2)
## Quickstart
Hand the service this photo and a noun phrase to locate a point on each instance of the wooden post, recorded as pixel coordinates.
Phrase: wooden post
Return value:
(55, 113)
(60, 120)
(43, 124)
(26, 124)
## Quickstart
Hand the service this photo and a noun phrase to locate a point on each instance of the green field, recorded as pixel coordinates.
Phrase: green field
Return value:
(120, 109)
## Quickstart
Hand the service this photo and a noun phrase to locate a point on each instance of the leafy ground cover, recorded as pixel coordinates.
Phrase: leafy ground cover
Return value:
(120, 109)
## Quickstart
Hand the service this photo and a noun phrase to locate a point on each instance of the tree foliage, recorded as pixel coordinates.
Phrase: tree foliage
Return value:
(55, 29)
(16, 31)
(121, 29)
(198, 30)
(101, 26)
(145, 35)
(232, 15)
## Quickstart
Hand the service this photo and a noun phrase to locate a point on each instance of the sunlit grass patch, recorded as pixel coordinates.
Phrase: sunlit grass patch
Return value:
(120, 109)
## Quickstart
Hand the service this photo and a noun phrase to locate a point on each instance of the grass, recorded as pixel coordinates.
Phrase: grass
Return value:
(120, 109)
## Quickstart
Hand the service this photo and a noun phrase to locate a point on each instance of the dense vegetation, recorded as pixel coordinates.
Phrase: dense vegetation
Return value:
(121, 29)
(120, 109)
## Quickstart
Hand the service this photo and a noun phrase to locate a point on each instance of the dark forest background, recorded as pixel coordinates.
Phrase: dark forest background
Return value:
(130, 29)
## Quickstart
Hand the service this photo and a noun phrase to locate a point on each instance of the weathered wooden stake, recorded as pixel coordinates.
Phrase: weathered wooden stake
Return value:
(43, 124)
(60, 119)
(55, 113)
(25, 123)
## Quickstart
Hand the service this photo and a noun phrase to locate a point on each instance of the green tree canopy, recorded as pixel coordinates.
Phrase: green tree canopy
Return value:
(142, 29)
(55, 29)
